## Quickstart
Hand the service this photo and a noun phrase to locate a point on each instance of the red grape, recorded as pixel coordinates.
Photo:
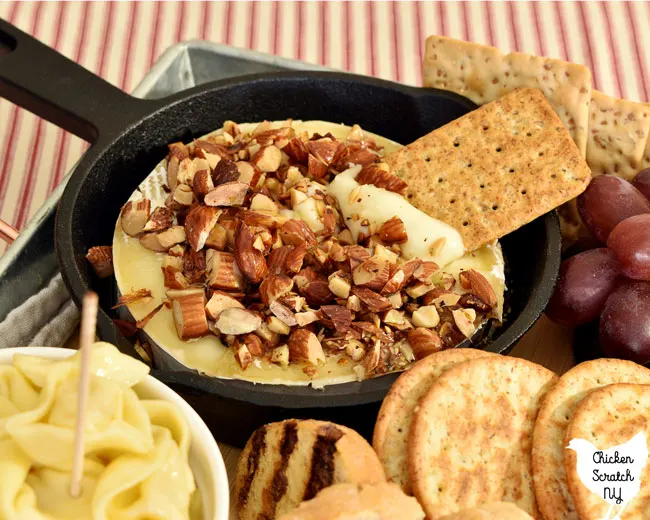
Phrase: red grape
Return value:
(642, 182)
(630, 242)
(625, 323)
(607, 201)
(585, 282)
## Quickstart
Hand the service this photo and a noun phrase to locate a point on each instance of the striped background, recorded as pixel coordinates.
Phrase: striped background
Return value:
(121, 40)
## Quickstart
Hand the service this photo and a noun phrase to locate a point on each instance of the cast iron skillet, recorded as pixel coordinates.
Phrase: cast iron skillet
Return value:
(129, 136)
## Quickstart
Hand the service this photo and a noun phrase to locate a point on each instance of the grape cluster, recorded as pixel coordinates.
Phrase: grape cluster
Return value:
(611, 283)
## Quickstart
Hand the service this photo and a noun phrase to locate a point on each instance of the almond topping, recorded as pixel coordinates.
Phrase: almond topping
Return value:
(253, 344)
(220, 302)
(274, 287)
(375, 175)
(277, 325)
(261, 202)
(172, 236)
(339, 286)
(270, 338)
(356, 254)
(464, 319)
(222, 270)
(296, 232)
(307, 317)
(477, 284)
(177, 250)
(340, 316)
(101, 259)
(225, 172)
(280, 355)
(161, 219)
(355, 349)
(426, 316)
(295, 258)
(425, 271)
(374, 301)
(251, 262)
(217, 238)
(419, 289)
(173, 278)
(237, 321)
(243, 356)
(189, 316)
(424, 342)
(397, 320)
(179, 293)
(134, 216)
(150, 241)
(353, 303)
(202, 184)
(372, 273)
(184, 195)
(227, 194)
(393, 231)
(304, 346)
(316, 168)
(441, 298)
(268, 159)
(345, 237)
(132, 297)
(336, 253)
(198, 223)
(248, 173)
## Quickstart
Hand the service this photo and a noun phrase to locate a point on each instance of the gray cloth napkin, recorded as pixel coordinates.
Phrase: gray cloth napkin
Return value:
(47, 319)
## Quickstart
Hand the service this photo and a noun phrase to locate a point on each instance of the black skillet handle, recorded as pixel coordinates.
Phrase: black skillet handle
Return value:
(39, 79)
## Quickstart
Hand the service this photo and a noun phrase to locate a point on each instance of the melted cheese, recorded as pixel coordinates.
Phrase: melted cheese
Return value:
(138, 268)
(366, 206)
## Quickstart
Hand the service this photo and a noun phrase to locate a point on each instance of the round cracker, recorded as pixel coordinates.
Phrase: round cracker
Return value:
(391, 435)
(549, 475)
(471, 437)
(608, 417)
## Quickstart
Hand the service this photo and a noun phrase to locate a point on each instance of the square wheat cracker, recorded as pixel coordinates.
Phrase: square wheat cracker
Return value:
(495, 169)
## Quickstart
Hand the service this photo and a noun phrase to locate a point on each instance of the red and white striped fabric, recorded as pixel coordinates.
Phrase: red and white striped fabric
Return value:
(121, 40)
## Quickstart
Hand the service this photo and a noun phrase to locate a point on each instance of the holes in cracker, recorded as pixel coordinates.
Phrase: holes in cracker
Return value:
(456, 143)
(486, 128)
(541, 154)
(452, 201)
(409, 196)
(523, 192)
(482, 186)
(511, 170)
(440, 179)
(469, 165)
(465, 223)
(498, 149)
(427, 159)
(495, 207)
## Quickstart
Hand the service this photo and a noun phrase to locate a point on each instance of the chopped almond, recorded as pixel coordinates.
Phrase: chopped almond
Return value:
(150, 241)
(393, 231)
(345, 237)
(217, 238)
(253, 344)
(177, 250)
(277, 325)
(396, 300)
(270, 338)
(419, 289)
(340, 316)
(283, 313)
(173, 278)
(198, 224)
(476, 283)
(268, 159)
(339, 285)
(220, 302)
(307, 317)
(251, 262)
(263, 203)
(132, 297)
(425, 271)
(189, 316)
(225, 172)
(172, 236)
(441, 298)
(426, 316)
(101, 259)
(353, 303)
(280, 355)
(464, 319)
(134, 216)
(304, 346)
(179, 293)
(222, 270)
(274, 287)
(374, 301)
(248, 173)
(295, 258)
(183, 195)
(355, 349)
(372, 273)
(356, 255)
(397, 320)
(161, 219)
(227, 194)
(296, 232)
(202, 184)
(424, 342)
(243, 356)
(237, 321)
(375, 175)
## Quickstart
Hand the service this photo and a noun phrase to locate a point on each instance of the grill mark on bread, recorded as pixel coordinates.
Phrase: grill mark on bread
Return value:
(280, 482)
(322, 460)
(258, 445)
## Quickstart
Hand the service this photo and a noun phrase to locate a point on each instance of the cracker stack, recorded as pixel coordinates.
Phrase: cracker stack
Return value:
(550, 458)
(495, 169)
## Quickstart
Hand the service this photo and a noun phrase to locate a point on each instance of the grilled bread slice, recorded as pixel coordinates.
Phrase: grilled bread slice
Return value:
(380, 501)
(287, 462)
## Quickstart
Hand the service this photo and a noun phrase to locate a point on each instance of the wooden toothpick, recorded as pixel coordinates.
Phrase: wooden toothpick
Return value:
(89, 309)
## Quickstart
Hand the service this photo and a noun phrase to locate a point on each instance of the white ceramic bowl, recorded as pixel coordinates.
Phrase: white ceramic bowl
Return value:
(205, 458)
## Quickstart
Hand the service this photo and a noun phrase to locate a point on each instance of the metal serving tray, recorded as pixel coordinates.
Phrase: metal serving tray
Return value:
(30, 262)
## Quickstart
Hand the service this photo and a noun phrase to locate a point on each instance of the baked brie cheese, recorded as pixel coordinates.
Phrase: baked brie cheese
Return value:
(286, 253)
